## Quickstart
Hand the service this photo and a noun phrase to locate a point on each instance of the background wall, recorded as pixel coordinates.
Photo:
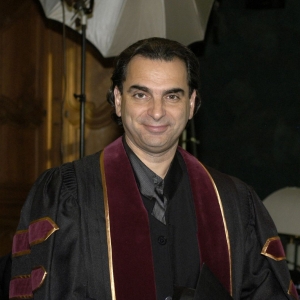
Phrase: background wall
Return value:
(249, 123)
(39, 116)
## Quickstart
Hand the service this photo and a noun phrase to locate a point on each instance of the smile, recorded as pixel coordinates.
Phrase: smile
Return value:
(156, 128)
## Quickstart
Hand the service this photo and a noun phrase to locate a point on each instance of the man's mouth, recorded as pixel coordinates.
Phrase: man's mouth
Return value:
(156, 128)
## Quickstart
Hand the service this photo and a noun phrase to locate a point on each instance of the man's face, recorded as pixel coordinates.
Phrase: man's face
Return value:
(155, 105)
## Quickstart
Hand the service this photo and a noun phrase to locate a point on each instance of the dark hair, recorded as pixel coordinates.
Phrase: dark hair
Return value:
(155, 48)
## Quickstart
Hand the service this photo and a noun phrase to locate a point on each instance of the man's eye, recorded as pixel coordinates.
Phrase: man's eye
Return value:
(139, 95)
(172, 97)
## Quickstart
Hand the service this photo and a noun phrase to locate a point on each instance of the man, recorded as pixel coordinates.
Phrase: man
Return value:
(144, 219)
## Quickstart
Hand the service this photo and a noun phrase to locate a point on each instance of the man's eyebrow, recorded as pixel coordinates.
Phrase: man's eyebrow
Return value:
(147, 90)
(174, 91)
(138, 87)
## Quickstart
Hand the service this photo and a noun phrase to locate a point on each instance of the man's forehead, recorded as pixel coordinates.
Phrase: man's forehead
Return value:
(144, 66)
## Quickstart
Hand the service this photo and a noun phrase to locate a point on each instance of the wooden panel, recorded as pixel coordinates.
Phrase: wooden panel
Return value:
(11, 201)
(39, 116)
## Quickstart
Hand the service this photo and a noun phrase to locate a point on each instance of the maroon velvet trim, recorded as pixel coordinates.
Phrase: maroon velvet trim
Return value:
(40, 230)
(130, 233)
(273, 248)
(37, 277)
(20, 288)
(293, 291)
(20, 244)
(276, 249)
(212, 240)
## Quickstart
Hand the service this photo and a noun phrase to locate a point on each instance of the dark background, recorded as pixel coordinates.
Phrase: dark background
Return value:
(249, 122)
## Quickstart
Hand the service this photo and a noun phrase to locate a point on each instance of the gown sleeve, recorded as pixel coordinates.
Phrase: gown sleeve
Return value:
(47, 250)
(265, 273)
(259, 268)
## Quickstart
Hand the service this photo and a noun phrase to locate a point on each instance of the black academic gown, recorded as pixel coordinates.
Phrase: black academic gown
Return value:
(76, 240)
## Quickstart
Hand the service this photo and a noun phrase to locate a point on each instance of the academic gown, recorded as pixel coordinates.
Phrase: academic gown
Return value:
(84, 234)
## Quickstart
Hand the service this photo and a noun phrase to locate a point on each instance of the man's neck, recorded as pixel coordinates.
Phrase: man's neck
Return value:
(159, 163)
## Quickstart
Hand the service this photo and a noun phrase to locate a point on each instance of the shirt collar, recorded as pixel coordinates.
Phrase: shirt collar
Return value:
(147, 180)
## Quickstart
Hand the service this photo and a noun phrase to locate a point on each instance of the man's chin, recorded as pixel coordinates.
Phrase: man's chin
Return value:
(159, 146)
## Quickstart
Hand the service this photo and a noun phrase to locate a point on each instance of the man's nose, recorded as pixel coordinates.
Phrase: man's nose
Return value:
(156, 109)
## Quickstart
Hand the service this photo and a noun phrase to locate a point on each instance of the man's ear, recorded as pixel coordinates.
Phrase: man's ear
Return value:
(192, 104)
(118, 101)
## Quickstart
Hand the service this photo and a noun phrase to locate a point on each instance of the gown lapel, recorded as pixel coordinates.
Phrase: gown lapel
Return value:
(128, 231)
(130, 255)
(212, 228)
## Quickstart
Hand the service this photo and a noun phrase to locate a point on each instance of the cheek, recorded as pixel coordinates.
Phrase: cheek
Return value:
(183, 113)
(133, 112)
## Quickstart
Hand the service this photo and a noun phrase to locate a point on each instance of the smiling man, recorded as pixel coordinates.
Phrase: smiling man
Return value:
(144, 219)
(155, 107)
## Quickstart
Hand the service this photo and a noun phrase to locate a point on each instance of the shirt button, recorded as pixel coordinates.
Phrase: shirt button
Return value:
(169, 298)
(162, 240)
